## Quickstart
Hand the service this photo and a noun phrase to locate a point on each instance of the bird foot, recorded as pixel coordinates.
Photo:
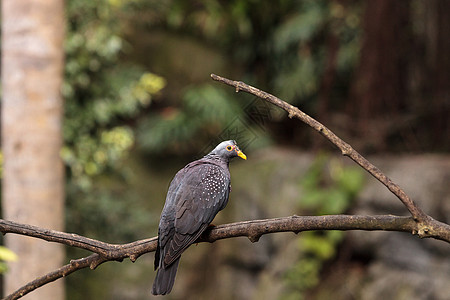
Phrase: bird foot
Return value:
(206, 232)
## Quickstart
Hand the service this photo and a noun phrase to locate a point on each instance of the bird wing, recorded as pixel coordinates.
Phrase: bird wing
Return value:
(166, 228)
(194, 202)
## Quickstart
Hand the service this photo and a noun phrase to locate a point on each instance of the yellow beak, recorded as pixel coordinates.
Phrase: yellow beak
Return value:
(241, 154)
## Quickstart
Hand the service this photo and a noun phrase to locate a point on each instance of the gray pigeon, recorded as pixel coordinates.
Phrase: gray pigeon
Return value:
(196, 194)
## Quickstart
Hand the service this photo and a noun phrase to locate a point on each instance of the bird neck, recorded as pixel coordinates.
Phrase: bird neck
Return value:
(218, 159)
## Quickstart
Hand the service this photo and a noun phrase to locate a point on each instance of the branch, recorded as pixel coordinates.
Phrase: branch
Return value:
(106, 250)
(427, 225)
(52, 276)
(253, 230)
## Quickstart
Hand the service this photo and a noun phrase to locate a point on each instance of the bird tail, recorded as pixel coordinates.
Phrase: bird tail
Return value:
(165, 279)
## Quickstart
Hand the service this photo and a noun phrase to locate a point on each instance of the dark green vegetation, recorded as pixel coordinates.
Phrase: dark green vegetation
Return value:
(140, 104)
(328, 188)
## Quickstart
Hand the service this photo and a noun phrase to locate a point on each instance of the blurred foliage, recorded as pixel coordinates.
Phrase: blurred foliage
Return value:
(204, 112)
(114, 105)
(103, 96)
(5, 256)
(329, 187)
(301, 49)
(281, 46)
(304, 52)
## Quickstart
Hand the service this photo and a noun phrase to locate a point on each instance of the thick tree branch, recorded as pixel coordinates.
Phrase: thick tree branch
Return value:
(253, 230)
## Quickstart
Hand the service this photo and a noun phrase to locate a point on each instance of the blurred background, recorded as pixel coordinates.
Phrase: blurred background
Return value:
(140, 104)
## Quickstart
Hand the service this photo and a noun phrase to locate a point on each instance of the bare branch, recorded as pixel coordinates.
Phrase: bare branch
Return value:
(253, 230)
(52, 276)
(345, 148)
(68, 239)
(110, 251)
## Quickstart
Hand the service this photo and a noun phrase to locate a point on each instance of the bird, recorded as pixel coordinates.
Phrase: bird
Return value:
(195, 195)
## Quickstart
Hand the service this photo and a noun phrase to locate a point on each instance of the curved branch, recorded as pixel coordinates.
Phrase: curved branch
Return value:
(106, 250)
(345, 148)
(52, 276)
(253, 230)
(69, 239)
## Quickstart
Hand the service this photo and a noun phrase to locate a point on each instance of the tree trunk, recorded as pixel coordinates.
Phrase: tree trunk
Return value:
(32, 107)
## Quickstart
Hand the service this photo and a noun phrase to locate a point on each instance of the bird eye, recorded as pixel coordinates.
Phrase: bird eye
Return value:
(229, 148)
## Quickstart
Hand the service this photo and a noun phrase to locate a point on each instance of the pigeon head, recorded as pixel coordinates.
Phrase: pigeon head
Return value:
(227, 150)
